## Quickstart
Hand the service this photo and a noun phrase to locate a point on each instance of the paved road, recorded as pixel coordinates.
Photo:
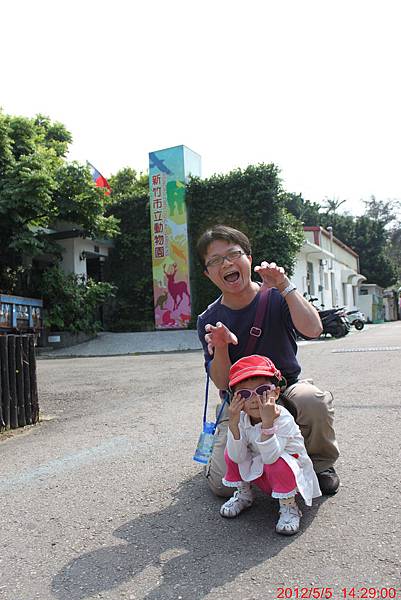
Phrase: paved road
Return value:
(102, 500)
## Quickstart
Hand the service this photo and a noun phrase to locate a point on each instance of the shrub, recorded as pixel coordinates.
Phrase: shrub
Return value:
(72, 304)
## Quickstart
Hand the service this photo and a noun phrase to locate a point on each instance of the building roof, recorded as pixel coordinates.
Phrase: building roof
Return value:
(318, 228)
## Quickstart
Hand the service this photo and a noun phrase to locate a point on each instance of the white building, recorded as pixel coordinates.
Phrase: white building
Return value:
(80, 255)
(328, 270)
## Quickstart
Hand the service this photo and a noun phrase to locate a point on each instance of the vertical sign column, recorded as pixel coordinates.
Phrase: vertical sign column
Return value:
(169, 170)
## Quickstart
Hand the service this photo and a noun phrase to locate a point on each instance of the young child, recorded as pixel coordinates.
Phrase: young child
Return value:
(265, 445)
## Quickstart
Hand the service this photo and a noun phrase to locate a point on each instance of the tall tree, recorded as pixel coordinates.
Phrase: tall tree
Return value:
(387, 229)
(382, 210)
(394, 250)
(370, 242)
(127, 183)
(332, 205)
(304, 210)
(38, 187)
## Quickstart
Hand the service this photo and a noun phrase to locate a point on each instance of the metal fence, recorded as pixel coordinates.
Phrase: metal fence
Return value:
(19, 404)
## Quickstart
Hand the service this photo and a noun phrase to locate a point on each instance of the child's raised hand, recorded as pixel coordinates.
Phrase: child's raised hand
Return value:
(234, 409)
(268, 409)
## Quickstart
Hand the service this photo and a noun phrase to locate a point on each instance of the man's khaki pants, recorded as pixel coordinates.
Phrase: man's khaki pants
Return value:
(315, 420)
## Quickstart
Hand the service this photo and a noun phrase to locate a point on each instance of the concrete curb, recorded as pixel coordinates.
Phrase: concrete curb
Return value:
(138, 353)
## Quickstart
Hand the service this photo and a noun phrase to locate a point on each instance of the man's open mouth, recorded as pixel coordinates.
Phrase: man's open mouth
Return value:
(232, 276)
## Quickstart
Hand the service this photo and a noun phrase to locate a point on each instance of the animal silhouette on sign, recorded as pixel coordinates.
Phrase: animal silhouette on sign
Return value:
(176, 289)
(184, 319)
(158, 163)
(162, 299)
(167, 320)
(176, 197)
(178, 251)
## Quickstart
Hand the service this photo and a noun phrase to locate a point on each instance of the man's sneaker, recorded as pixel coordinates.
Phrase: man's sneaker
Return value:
(241, 500)
(329, 481)
(288, 523)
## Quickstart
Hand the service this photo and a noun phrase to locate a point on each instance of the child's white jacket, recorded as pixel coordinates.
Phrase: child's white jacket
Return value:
(250, 453)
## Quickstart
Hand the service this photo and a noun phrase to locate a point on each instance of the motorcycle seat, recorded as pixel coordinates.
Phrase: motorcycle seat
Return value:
(330, 311)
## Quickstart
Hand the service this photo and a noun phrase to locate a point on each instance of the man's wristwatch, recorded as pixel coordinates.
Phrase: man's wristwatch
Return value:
(290, 288)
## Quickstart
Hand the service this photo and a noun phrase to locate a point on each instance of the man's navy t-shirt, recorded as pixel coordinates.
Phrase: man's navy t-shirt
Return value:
(278, 338)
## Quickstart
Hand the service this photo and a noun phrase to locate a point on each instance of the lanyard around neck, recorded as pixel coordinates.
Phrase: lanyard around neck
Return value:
(226, 397)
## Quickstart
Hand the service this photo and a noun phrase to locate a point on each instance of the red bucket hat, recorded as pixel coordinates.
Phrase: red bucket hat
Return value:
(251, 366)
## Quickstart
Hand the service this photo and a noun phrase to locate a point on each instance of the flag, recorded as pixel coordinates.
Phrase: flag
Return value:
(99, 179)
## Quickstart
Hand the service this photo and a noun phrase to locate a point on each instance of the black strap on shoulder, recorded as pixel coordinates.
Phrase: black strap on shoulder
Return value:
(256, 330)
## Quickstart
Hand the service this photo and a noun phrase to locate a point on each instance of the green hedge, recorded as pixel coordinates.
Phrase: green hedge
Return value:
(251, 200)
(130, 268)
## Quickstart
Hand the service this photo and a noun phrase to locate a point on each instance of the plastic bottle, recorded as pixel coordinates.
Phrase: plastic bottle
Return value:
(205, 444)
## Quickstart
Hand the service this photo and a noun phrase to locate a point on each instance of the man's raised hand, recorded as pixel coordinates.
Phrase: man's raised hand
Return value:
(218, 336)
(272, 275)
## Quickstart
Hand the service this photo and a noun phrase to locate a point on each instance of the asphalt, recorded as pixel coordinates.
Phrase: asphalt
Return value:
(102, 499)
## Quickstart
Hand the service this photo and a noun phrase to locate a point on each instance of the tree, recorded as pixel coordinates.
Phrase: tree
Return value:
(332, 205)
(343, 226)
(381, 210)
(394, 250)
(126, 183)
(78, 200)
(37, 188)
(370, 242)
(304, 210)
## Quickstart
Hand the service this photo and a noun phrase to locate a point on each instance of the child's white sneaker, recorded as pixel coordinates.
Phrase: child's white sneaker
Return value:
(288, 523)
(241, 500)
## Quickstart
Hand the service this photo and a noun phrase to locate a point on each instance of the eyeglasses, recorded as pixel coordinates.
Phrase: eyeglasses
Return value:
(259, 391)
(232, 256)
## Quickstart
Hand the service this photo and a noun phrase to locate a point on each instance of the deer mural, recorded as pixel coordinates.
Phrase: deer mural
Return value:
(176, 289)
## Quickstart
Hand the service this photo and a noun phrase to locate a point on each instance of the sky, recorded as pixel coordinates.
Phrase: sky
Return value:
(311, 85)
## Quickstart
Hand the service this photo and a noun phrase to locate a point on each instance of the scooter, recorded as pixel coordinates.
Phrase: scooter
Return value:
(334, 320)
(356, 318)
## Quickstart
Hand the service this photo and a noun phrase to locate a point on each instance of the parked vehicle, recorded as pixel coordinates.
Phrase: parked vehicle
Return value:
(334, 320)
(356, 318)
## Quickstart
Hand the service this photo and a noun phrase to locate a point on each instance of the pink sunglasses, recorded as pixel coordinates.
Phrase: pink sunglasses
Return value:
(259, 391)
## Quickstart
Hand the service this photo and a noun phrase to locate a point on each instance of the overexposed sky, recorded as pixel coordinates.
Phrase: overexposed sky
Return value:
(313, 86)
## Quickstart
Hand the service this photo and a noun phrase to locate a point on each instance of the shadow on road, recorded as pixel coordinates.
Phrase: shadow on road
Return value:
(191, 546)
